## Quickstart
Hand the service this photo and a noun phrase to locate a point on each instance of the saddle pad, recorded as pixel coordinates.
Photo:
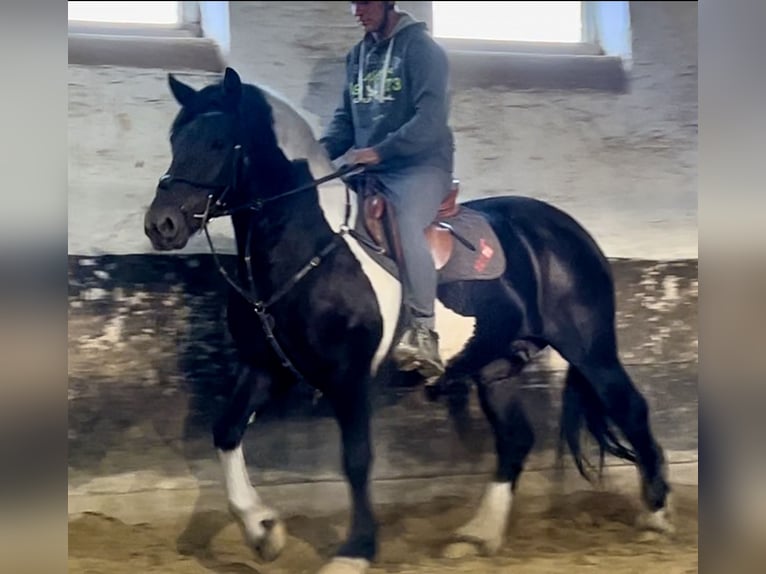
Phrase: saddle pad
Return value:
(487, 262)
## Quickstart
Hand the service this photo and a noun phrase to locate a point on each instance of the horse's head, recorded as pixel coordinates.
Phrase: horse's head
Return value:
(211, 145)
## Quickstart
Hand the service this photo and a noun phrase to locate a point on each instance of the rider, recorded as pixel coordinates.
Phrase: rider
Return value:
(393, 119)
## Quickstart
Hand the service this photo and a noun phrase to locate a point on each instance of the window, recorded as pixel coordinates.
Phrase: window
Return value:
(527, 45)
(169, 19)
(509, 21)
(168, 35)
(152, 13)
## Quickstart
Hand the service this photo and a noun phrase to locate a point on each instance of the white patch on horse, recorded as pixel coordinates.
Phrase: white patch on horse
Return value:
(260, 524)
(387, 289)
(487, 527)
(296, 139)
(659, 520)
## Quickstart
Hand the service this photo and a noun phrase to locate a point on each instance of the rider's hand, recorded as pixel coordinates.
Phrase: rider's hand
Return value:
(363, 156)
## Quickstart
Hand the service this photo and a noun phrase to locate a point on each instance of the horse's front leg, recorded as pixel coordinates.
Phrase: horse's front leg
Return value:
(352, 411)
(263, 530)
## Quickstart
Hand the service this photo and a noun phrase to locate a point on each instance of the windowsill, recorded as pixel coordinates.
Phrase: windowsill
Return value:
(123, 29)
(518, 47)
(144, 47)
(533, 66)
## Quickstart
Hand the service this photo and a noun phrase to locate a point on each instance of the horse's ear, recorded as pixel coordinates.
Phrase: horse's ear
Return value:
(181, 92)
(232, 86)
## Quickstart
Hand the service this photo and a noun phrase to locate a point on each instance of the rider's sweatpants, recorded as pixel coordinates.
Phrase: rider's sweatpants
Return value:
(416, 193)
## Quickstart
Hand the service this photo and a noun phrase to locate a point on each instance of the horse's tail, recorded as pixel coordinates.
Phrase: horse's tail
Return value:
(582, 408)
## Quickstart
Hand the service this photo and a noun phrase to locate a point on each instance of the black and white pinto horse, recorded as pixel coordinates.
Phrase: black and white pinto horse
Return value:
(308, 301)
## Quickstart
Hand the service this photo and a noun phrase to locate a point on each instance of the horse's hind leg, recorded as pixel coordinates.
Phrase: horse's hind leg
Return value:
(495, 336)
(261, 526)
(623, 403)
(514, 439)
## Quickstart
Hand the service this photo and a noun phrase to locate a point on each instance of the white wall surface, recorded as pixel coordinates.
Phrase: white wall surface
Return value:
(623, 164)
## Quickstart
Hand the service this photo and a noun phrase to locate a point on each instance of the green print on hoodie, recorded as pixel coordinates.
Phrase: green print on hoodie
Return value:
(396, 94)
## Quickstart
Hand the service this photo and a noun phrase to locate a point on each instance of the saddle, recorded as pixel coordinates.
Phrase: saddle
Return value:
(381, 228)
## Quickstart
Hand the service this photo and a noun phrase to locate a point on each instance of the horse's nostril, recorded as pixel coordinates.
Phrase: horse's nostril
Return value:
(167, 226)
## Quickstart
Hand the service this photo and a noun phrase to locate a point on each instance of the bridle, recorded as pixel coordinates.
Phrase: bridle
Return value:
(239, 160)
(220, 209)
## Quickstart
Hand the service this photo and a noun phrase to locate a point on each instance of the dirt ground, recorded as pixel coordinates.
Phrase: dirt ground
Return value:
(584, 531)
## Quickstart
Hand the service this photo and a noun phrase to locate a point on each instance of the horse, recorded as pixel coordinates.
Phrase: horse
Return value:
(309, 303)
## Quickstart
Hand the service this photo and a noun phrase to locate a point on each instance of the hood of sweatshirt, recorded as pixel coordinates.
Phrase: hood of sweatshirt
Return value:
(377, 60)
(384, 80)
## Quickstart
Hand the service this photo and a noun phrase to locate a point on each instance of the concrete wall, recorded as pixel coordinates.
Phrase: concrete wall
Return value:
(144, 333)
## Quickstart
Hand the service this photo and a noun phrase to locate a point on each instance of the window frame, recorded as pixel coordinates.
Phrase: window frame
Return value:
(523, 65)
(181, 46)
(584, 46)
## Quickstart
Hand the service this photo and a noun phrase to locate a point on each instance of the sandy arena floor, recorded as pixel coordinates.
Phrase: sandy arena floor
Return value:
(582, 532)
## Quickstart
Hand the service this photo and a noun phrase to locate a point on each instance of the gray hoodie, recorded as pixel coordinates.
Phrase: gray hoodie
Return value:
(402, 110)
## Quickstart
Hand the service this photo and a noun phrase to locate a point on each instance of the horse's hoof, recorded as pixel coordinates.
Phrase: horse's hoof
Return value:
(186, 548)
(271, 545)
(472, 539)
(342, 565)
(658, 521)
(458, 550)
(265, 534)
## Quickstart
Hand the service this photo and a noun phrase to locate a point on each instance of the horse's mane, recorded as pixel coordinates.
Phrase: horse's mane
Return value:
(255, 113)
(269, 121)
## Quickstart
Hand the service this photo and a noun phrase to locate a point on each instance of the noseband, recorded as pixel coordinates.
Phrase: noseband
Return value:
(238, 160)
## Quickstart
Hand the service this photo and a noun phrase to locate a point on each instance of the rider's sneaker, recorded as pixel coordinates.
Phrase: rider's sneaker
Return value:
(418, 350)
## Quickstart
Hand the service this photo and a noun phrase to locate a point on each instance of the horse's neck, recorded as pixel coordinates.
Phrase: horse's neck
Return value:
(282, 237)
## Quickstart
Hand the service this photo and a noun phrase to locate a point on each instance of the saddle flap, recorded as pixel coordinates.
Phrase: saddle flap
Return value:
(441, 243)
(374, 209)
(374, 206)
(449, 206)
(375, 214)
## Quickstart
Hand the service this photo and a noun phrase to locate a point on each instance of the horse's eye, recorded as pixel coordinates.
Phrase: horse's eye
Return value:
(217, 145)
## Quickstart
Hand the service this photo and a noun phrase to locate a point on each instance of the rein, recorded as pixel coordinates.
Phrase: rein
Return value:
(261, 307)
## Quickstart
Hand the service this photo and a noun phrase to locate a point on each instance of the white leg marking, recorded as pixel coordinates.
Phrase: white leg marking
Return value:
(487, 528)
(241, 494)
(261, 526)
(659, 520)
(344, 565)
